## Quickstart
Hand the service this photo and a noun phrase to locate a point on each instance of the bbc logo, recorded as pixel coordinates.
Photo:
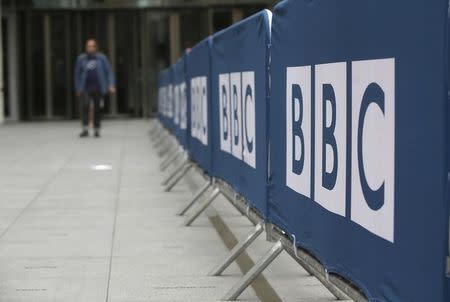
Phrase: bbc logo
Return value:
(180, 105)
(237, 115)
(372, 135)
(199, 109)
(165, 98)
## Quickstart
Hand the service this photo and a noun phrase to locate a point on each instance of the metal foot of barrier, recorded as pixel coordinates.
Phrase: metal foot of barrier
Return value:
(180, 175)
(202, 207)
(160, 139)
(153, 130)
(154, 126)
(194, 199)
(238, 249)
(170, 159)
(165, 147)
(157, 134)
(174, 173)
(254, 272)
(172, 147)
(315, 268)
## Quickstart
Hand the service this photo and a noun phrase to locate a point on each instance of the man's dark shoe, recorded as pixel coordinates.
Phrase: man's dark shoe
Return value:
(84, 133)
(97, 133)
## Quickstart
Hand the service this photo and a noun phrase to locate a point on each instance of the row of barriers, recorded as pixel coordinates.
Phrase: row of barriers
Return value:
(327, 125)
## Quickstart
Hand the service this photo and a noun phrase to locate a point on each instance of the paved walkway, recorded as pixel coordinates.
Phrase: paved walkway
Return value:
(87, 220)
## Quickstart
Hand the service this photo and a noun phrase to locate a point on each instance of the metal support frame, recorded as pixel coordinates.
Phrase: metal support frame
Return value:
(161, 139)
(238, 249)
(171, 157)
(154, 126)
(163, 142)
(157, 133)
(340, 288)
(336, 286)
(165, 146)
(254, 272)
(174, 172)
(202, 207)
(195, 197)
(182, 173)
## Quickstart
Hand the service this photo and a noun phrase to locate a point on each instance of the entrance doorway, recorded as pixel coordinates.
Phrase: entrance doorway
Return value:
(52, 40)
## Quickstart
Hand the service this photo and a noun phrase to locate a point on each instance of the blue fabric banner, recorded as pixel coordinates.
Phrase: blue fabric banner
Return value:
(165, 98)
(180, 116)
(359, 140)
(198, 70)
(239, 72)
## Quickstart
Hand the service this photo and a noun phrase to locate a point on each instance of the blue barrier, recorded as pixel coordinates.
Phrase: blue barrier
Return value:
(180, 117)
(199, 97)
(165, 97)
(239, 72)
(357, 116)
(358, 129)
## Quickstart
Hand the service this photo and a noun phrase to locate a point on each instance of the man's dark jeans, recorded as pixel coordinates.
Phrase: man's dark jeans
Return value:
(86, 99)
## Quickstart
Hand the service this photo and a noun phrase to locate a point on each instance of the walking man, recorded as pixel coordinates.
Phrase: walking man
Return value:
(93, 80)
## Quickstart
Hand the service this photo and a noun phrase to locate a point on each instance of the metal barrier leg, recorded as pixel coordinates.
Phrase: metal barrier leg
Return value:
(160, 139)
(174, 173)
(165, 147)
(313, 270)
(153, 126)
(238, 249)
(202, 207)
(171, 148)
(196, 196)
(170, 158)
(153, 130)
(183, 172)
(157, 134)
(254, 272)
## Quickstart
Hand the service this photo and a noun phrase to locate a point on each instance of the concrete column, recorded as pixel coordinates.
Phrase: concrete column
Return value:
(175, 39)
(151, 74)
(13, 70)
(2, 94)
(70, 67)
(134, 76)
(148, 63)
(28, 67)
(48, 68)
(237, 15)
(210, 21)
(79, 46)
(112, 55)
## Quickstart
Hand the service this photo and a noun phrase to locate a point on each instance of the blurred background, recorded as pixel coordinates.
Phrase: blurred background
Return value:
(42, 38)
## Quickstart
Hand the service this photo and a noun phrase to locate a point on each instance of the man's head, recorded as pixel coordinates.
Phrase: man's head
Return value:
(91, 46)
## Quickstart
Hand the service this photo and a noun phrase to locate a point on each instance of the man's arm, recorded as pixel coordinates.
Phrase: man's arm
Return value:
(109, 74)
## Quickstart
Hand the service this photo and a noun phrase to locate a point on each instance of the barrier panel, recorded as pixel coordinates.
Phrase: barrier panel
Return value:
(358, 130)
(180, 117)
(199, 99)
(165, 97)
(239, 72)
